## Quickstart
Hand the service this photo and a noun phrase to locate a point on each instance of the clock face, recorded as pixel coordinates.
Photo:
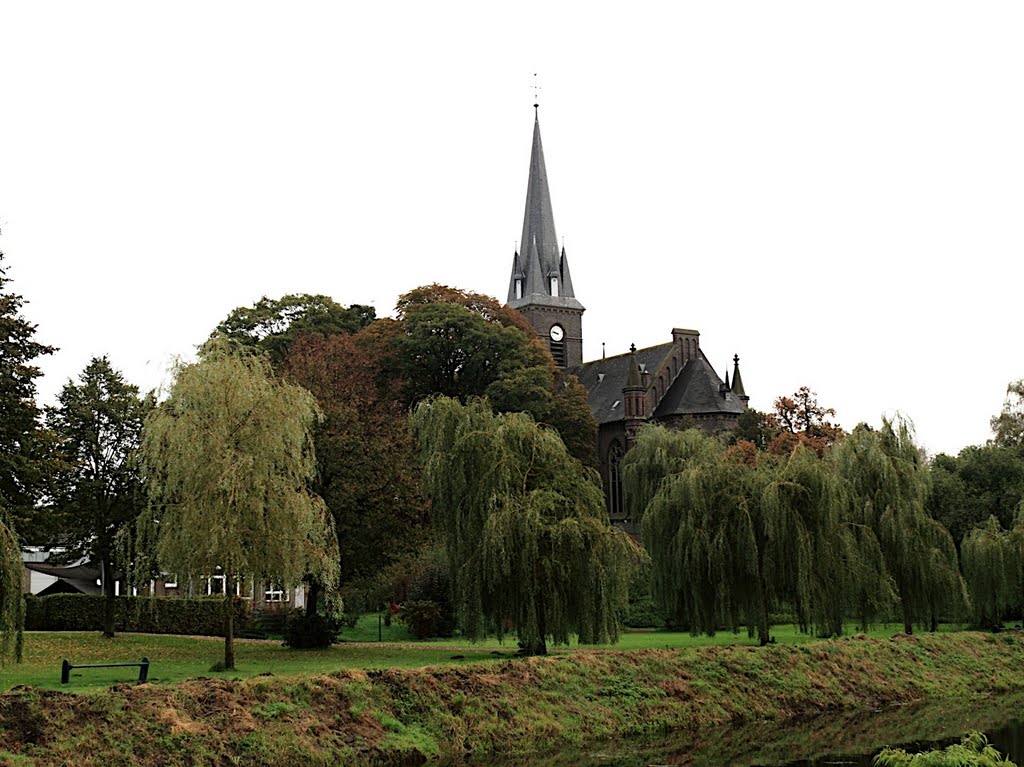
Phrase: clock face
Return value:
(557, 334)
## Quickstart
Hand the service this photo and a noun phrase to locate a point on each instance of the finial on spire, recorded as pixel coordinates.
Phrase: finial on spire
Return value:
(736, 359)
(632, 348)
(536, 95)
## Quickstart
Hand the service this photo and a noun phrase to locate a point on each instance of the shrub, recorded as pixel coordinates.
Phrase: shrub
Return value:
(423, 617)
(310, 631)
(431, 583)
(643, 613)
(270, 621)
(203, 616)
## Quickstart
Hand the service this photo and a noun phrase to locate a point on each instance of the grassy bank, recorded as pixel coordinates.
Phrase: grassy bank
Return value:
(501, 706)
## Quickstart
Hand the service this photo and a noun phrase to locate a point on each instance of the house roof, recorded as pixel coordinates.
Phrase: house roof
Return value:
(82, 578)
(697, 390)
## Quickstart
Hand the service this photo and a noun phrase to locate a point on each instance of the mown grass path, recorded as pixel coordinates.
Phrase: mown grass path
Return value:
(176, 658)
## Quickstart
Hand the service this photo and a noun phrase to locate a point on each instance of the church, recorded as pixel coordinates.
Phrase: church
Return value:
(671, 383)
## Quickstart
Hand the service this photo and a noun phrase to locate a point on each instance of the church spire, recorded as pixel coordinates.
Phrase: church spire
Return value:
(541, 288)
(554, 280)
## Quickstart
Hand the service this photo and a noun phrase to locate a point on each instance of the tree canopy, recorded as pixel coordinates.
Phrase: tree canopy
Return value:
(272, 325)
(732, 537)
(982, 481)
(889, 482)
(527, 535)
(229, 455)
(98, 428)
(1008, 425)
(366, 469)
(801, 419)
(991, 558)
(460, 344)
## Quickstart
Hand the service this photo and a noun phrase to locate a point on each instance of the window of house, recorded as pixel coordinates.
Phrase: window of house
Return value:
(275, 592)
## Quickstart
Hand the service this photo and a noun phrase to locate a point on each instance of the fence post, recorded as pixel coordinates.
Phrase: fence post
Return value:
(65, 671)
(144, 670)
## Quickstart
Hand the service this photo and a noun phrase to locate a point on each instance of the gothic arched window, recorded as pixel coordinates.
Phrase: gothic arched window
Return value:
(614, 490)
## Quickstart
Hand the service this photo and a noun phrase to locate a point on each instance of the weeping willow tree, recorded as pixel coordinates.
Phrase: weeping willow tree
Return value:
(524, 524)
(813, 558)
(730, 542)
(698, 522)
(228, 457)
(889, 484)
(12, 603)
(990, 557)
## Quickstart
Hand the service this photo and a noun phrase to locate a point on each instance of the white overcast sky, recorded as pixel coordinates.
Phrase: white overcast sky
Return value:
(832, 190)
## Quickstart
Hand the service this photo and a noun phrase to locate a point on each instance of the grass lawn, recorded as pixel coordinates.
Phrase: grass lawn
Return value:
(174, 658)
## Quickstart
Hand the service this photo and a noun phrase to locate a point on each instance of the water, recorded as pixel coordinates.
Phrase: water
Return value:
(849, 740)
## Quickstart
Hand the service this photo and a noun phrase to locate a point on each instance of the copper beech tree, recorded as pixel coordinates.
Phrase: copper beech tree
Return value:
(800, 419)
(366, 469)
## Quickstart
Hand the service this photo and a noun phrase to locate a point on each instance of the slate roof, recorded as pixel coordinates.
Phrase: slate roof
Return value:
(605, 378)
(539, 257)
(696, 390)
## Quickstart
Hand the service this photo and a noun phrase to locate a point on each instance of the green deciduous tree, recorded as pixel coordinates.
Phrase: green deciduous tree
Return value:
(272, 325)
(527, 535)
(98, 427)
(991, 558)
(460, 344)
(1008, 426)
(982, 481)
(229, 455)
(887, 476)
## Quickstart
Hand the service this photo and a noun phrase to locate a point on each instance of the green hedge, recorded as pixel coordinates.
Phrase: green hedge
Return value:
(203, 616)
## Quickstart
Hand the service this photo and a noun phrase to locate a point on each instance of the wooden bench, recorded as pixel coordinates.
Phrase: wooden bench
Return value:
(65, 669)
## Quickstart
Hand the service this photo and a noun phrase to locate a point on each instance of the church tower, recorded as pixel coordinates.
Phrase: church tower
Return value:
(540, 286)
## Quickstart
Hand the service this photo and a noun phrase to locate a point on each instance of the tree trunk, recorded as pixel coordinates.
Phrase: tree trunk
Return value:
(229, 625)
(763, 629)
(908, 621)
(539, 645)
(313, 597)
(109, 598)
